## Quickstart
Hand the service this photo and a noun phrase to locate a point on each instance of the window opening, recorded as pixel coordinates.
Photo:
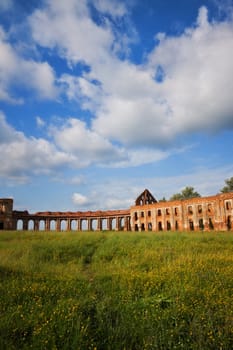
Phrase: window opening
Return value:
(211, 226)
(201, 224)
(160, 226)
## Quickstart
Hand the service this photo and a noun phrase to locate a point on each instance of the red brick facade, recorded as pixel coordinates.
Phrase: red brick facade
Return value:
(202, 213)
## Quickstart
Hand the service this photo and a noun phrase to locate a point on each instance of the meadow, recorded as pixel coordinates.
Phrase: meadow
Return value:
(116, 291)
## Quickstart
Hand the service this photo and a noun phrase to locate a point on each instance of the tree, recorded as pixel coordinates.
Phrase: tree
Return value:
(187, 192)
(229, 186)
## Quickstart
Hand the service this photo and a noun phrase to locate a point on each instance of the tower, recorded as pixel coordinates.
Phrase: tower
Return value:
(6, 218)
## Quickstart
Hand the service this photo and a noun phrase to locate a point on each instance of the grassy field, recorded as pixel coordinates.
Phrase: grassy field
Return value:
(116, 291)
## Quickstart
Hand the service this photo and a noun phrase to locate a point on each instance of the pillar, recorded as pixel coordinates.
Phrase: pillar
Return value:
(79, 224)
(68, 225)
(58, 225)
(47, 225)
(25, 224)
(89, 224)
(99, 224)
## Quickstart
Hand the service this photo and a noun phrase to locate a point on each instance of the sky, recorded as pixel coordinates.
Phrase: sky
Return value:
(100, 99)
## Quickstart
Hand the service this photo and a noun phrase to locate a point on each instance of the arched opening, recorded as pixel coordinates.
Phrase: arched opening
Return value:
(114, 224)
(19, 225)
(136, 227)
(160, 226)
(31, 225)
(73, 225)
(63, 225)
(41, 225)
(94, 224)
(176, 225)
(104, 224)
(52, 225)
(121, 224)
(84, 225)
(201, 224)
(211, 225)
(168, 226)
(149, 226)
(191, 226)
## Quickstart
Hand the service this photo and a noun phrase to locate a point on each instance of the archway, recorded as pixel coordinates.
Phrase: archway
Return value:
(113, 224)
(84, 225)
(104, 224)
(41, 225)
(52, 225)
(31, 225)
(63, 225)
(19, 225)
(73, 225)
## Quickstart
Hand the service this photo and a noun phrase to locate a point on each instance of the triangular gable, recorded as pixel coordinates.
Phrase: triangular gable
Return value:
(145, 198)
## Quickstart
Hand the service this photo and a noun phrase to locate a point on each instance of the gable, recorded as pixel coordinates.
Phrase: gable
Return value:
(145, 198)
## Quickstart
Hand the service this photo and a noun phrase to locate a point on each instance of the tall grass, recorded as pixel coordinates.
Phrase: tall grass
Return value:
(116, 291)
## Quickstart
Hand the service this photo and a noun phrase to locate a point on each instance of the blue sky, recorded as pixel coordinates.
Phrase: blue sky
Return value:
(100, 99)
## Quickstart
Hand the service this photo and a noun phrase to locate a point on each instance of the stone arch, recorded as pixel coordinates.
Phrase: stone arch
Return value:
(168, 226)
(94, 224)
(201, 224)
(19, 225)
(31, 225)
(121, 224)
(113, 223)
(84, 225)
(104, 224)
(191, 225)
(52, 225)
(42, 225)
(73, 225)
(63, 225)
(211, 225)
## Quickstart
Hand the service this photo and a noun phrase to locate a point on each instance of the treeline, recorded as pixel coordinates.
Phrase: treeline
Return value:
(189, 191)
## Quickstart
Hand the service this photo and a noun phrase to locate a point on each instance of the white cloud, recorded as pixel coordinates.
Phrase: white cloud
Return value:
(113, 7)
(129, 105)
(79, 200)
(38, 76)
(87, 146)
(68, 28)
(21, 157)
(194, 95)
(40, 122)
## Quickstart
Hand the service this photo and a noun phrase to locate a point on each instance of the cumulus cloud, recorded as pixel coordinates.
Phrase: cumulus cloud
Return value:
(184, 85)
(112, 7)
(80, 201)
(32, 75)
(87, 145)
(193, 93)
(40, 122)
(21, 156)
(68, 28)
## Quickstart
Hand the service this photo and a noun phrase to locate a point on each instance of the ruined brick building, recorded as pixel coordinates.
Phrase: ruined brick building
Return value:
(202, 213)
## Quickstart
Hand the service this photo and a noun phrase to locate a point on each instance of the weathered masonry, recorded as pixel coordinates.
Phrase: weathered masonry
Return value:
(203, 213)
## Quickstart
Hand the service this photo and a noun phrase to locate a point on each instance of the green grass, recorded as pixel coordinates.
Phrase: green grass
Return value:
(116, 291)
